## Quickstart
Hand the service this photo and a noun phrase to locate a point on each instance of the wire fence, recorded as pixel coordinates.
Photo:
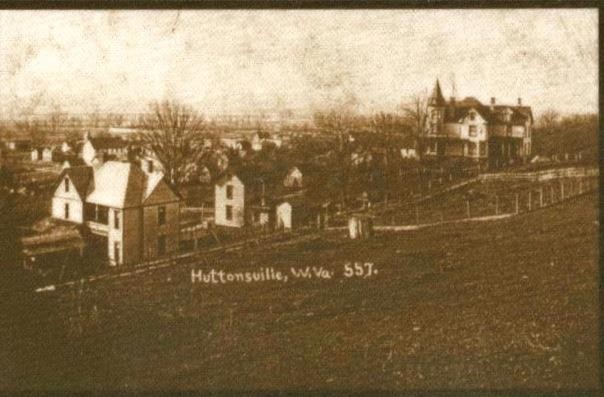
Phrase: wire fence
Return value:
(477, 202)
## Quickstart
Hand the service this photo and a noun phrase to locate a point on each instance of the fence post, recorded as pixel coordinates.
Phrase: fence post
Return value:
(516, 202)
(561, 189)
(551, 194)
(530, 199)
(442, 218)
(496, 205)
(541, 197)
(417, 214)
(467, 208)
(580, 186)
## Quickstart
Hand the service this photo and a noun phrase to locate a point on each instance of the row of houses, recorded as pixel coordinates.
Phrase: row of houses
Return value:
(90, 150)
(126, 214)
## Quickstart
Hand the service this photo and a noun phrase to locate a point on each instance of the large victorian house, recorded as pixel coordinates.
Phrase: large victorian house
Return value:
(467, 129)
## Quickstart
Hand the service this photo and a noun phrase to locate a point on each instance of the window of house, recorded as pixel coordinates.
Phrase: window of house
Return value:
(66, 210)
(434, 114)
(472, 130)
(229, 212)
(482, 148)
(102, 215)
(150, 165)
(229, 192)
(161, 215)
(116, 219)
(433, 128)
(89, 211)
(116, 251)
(472, 116)
(471, 148)
(66, 185)
(161, 245)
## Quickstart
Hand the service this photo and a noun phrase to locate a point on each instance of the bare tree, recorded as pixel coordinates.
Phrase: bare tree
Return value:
(173, 134)
(57, 119)
(416, 113)
(389, 127)
(32, 128)
(548, 119)
(340, 124)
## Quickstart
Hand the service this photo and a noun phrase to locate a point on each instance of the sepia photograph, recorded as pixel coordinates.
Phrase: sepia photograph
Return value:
(311, 201)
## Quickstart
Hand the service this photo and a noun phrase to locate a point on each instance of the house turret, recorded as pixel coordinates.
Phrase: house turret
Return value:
(436, 109)
(437, 99)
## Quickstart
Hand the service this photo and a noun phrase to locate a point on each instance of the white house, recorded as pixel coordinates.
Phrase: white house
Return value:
(229, 201)
(36, 154)
(408, 153)
(262, 137)
(134, 215)
(101, 147)
(293, 178)
(240, 199)
(66, 147)
(479, 132)
(232, 143)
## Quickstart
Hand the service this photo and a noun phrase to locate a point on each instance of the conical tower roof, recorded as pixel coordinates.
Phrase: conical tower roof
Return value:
(437, 99)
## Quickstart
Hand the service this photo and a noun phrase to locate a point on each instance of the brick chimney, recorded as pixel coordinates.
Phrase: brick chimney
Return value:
(492, 101)
(519, 101)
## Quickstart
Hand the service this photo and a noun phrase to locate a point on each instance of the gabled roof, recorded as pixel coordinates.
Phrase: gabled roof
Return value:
(457, 110)
(100, 143)
(123, 185)
(253, 179)
(293, 169)
(263, 134)
(81, 177)
(249, 176)
(525, 110)
(117, 185)
(75, 161)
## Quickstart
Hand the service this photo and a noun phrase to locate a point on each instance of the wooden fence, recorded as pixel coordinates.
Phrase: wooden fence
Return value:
(459, 206)
(545, 175)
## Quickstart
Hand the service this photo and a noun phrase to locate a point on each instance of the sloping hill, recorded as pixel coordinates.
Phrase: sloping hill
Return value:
(506, 304)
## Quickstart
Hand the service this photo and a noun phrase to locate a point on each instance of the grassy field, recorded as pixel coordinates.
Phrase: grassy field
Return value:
(510, 304)
(485, 199)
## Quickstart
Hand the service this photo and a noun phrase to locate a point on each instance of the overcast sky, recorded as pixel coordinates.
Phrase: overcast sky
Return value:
(240, 61)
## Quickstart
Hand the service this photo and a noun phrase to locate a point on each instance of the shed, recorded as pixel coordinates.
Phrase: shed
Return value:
(294, 212)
